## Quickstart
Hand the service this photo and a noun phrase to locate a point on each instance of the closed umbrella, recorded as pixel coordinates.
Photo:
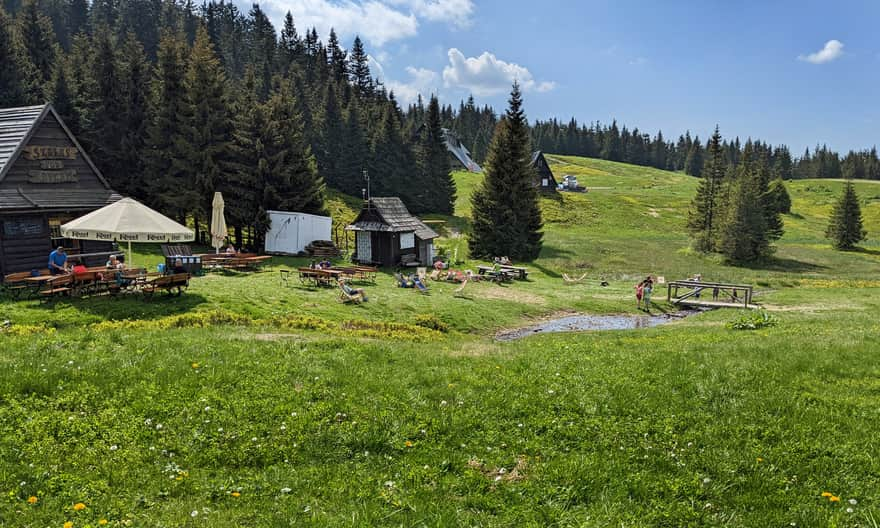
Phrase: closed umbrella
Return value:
(127, 221)
(218, 222)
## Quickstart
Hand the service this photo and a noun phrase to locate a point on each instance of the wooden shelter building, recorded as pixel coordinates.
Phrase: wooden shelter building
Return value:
(544, 180)
(388, 235)
(46, 179)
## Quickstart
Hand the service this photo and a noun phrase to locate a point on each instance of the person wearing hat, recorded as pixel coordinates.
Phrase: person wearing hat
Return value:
(58, 262)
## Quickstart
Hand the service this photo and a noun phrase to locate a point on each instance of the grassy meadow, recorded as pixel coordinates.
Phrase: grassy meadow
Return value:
(249, 402)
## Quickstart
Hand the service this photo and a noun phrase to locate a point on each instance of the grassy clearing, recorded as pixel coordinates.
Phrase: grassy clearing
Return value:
(249, 403)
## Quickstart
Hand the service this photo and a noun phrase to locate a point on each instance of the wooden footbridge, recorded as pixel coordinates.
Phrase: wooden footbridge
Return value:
(709, 294)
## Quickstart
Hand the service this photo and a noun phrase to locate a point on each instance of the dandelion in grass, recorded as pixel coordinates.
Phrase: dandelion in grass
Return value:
(195, 365)
(32, 500)
(408, 444)
(102, 522)
(68, 524)
(235, 494)
(834, 498)
(79, 506)
(759, 459)
(827, 494)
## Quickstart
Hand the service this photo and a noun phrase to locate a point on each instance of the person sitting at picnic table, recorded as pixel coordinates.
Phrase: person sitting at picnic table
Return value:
(352, 292)
(439, 265)
(79, 267)
(178, 267)
(503, 261)
(326, 264)
(58, 262)
(114, 263)
(230, 249)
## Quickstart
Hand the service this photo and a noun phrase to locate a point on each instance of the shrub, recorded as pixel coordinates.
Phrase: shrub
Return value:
(753, 321)
(431, 322)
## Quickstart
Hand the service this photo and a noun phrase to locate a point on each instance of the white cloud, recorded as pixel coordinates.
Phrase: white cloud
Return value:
(374, 21)
(487, 75)
(456, 12)
(833, 50)
(422, 81)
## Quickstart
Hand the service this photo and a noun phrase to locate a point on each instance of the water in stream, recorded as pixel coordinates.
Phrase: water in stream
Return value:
(584, 323)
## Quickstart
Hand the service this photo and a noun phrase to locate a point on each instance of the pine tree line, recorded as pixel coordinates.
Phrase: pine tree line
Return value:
(737, 210)
(176, 102)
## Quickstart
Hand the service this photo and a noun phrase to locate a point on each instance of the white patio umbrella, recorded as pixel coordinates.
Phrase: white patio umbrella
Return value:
(218, 222)
(127, 221)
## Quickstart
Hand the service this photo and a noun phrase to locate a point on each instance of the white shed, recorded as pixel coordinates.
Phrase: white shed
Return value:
(290, 233)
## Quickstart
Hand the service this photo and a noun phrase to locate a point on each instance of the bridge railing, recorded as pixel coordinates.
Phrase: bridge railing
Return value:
(721, 293)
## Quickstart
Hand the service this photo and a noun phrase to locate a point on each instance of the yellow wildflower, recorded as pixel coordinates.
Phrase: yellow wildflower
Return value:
(408, 444)
(79, 506)
(834, 498)
(236, 494)
(32, 500)
(102, 522)
(760, 459)
(195, 365)
(68, 524)
(826, 494)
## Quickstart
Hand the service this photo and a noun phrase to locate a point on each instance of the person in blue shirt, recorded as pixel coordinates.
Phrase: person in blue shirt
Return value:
(58, 262)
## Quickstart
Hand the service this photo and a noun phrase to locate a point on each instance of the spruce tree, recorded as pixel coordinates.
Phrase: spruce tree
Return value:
(295, 174)
(38, 41)
(209, 129)
(16, 88)
(612, 148)
(135, 80)
(779, 197)
(170, 186)
(703, 216)
(330, 154)
(743, 235)
(434, 164)
(845, 227)
(360, 69)
(247, 159)
(357, 151)
(290, 46)
(772, 215)
(108, 105)
(506, 212)
(693, 164)
(338, 58)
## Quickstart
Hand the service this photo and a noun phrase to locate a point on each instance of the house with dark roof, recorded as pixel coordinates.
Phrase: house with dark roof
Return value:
(388, 235)
(459, 154)
(544, 179)
(46, 179)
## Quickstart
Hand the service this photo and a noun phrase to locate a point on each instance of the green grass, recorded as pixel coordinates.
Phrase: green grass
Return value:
(323, 414)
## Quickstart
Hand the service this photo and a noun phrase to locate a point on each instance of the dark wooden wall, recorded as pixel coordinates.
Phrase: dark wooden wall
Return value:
(50, 134)
(25, 252)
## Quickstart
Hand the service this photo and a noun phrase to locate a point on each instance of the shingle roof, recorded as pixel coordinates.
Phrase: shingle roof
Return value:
(397, 219)
(457, 149)
(48, 199)
(15, 124)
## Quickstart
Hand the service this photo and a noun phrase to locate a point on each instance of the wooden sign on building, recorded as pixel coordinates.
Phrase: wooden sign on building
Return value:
(46, 179)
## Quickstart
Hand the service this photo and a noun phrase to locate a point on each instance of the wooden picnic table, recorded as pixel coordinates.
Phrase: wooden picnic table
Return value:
(318, 276)
(521, 273)
(500, 275)
(364, 273)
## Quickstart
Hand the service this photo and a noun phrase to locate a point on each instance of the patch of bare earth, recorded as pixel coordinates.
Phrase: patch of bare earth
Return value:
(510, 294)
(501, 474)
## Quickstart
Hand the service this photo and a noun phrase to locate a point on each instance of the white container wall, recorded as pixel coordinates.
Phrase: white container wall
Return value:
(290, 233)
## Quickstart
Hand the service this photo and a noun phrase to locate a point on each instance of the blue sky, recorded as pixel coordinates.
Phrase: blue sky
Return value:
(794, 72)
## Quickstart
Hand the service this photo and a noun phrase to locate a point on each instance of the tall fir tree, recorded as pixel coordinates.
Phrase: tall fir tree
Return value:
(210, 126)
(360, 69)
(779, 197)
(108, 106)
(135, 80)
(703, 216)
(171, 189)
(506, 212)
(290, 46)
(693, 164)
(16, 70)
(846, 227)
(247, 161)
(357, 151)
(434, 164)
(743, 235)
(330, 154)
(39, 43)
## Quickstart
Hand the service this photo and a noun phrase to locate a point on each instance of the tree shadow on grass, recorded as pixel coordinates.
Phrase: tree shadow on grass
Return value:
(866, 251)
(549, 252)
(130, 306)
(783, 264)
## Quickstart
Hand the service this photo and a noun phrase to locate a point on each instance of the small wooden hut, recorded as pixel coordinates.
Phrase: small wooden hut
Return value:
(544, 180)
(46, 179)
(388, 235)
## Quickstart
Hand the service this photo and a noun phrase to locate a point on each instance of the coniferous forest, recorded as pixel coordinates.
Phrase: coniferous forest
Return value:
(175, 101)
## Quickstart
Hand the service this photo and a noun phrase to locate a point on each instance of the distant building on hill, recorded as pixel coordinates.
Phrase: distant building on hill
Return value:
(544, 180)
(388, 235)
(461, 157)
(46, 179)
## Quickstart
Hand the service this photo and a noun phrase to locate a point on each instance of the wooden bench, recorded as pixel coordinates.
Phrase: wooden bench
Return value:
(57, 286)
(520, 272)
(16, 285)
(319, 277)
(167, 283)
